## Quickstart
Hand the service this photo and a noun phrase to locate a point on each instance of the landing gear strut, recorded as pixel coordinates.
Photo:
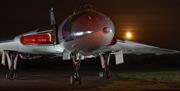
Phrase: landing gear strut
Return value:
(105, 66)
(12, 58)
(75, 78)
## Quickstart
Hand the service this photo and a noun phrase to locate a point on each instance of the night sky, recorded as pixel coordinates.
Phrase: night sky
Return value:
(154, 22)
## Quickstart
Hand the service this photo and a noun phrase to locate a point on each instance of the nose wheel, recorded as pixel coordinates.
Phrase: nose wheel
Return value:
(75, 78)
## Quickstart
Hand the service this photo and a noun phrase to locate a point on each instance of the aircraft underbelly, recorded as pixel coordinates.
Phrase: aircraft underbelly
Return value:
(90, 42)
(41, 49)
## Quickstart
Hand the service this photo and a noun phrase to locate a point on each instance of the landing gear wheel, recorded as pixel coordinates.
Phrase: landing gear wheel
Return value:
(108, 75)
(72, 80)
(11, 76)
(105, 74)
(75, 79)
(79, 81)
(101, 74)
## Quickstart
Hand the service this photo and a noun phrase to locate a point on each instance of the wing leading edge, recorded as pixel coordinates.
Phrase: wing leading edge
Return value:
(129, 47)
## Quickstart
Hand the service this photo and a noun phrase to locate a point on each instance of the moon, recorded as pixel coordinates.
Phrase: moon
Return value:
(129, 35)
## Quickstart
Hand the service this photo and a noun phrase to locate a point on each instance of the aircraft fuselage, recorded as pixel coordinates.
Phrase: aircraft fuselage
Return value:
(86, 31)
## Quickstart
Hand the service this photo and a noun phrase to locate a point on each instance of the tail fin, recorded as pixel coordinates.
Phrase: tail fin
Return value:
(52, 17)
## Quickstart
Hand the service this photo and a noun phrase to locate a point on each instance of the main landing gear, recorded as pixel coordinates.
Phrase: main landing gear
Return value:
(12, 58)
(105, 73)
(75, 78)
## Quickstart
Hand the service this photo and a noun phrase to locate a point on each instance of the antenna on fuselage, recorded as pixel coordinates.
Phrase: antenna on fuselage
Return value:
(52, 17)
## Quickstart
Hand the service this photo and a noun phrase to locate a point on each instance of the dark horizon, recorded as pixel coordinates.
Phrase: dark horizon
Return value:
(155, 22)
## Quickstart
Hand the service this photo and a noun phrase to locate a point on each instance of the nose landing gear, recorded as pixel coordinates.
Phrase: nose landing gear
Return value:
(75, 78)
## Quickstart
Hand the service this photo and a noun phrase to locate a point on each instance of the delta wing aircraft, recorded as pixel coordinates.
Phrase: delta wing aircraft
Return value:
(87, 33)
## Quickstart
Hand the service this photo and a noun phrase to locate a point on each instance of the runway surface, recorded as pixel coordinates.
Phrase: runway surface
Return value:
(140, 74)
